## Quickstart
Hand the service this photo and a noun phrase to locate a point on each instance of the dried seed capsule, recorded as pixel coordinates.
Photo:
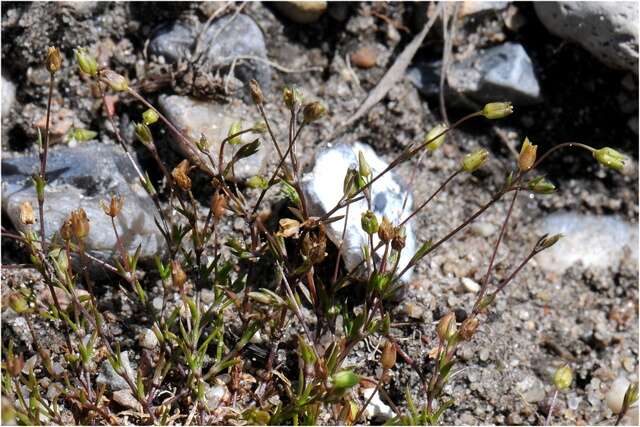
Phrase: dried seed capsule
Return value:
(256, 92)
(497, 110)
(179, 174)
(527, 155)
(312, 112)
(447, 327)
(79, 224)
(469, 328)
(27, 216)
(399, 238)
(114, 206)
(388, 358)
(178, 276)
(218, 205)
(54, 59)
(386, 230)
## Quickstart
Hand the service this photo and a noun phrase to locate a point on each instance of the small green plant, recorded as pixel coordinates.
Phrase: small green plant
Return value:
(204, 345)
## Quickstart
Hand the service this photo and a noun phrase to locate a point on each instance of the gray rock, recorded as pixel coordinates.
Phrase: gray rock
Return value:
(596, 241)
(503, 72)
(81, 177)
(323, 188)
(469, 8)
(194, 118)
(8, 96)
(126, 399)
(110, 377)
(531, 388)
(224, 40)
(609, 30)
(147, 339)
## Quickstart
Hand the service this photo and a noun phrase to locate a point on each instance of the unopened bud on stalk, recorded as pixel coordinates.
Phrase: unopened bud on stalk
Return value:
(434, 143)
(179, 174)
(27, 216)
(344, 379)
(547, 241)
(447, 327)
(610, 158)
(527, 155)
(369, 222)
(388, 358)
(150, 116)
(541, 186)
(178, 276)
(116, 81)
(18, 303)
(349, 185)
(256, 92)
(203, 143)
(312, 112)
(86, 62)
(474, 161)
(563, 378)
(497, 110)
(234, 129)
(385, 230)
(143, 133)
(259, 127)
(363, 167)
(468, 328)
(54, 59)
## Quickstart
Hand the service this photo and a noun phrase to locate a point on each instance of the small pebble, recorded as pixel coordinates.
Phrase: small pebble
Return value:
(414, 311)
(126, 399)
(615, 395)
(214, 395)
(470, 285)
(365, 57)
(147, 339)
(482, 229)
(484, 355)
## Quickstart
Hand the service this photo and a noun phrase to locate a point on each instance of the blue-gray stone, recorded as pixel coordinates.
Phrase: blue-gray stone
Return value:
(225, 39)
(81, 177)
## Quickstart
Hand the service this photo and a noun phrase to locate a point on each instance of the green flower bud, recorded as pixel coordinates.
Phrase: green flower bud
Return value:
(344, 379)
(541, 186)
(363, 167)
(563, 378)
(432, 142)
(18, 303)
(610, 158)
(234, 129)
(86, 62)
(349, 185)
(116, 81)
(473, 161)
(497, 110)
(150, 116)
(258, 182)
(547, 241)
(369, 222)
(81, 135)
(143, 133)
